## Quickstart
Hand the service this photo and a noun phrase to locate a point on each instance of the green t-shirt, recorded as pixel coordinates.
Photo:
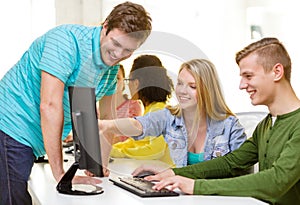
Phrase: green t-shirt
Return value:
(276, 148)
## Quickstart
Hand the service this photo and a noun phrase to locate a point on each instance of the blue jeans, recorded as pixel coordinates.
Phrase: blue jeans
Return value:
(16, 161)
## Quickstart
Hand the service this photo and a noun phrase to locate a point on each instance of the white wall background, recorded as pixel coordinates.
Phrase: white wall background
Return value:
(219, 28)
(21, 22)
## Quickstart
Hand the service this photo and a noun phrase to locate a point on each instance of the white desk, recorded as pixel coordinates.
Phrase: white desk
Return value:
(42, 187)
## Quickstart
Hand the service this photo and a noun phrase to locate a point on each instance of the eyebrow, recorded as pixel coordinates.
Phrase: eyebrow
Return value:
(120, 45)
(246, 73)
(115, 41)
(189, 83)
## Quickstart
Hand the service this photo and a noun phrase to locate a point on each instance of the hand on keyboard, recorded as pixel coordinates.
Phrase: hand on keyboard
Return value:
(159, 172)
(142, 187)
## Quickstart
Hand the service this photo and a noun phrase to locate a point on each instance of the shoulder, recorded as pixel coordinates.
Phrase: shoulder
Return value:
(231, 118)
(71, 28)
(61, 29)
(70, 32)
(231, 122)
(61, 37)
(228, 120)
(167, 115)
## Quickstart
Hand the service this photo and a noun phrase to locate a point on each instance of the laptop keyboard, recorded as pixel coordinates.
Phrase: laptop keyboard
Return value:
(141, 187)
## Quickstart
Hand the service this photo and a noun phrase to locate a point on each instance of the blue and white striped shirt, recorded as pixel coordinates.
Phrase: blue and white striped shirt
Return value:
(69, 52)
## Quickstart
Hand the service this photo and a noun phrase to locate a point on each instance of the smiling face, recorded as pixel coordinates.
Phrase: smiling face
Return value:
(256, 81)
(116, 46)
(186, 90)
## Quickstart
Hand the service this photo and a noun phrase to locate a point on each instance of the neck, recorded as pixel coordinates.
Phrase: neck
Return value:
(285, 101)
(191, 118)
(196, 129)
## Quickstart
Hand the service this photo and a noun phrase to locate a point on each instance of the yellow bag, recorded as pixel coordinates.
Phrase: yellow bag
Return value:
(148, 148)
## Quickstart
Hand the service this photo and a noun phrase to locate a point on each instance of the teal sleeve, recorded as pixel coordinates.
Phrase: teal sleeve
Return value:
(59, 56)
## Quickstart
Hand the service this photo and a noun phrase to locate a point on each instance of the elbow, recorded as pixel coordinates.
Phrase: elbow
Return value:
(44, 107)
(49, 107)
(129, 126)
(138, 127)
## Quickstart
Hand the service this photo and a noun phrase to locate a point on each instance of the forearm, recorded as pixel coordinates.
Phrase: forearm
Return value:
(214, 168)
(51, 124)
(262, 185)
(121, 127)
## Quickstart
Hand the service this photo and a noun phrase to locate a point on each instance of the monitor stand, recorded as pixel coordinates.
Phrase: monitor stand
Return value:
(65, 184)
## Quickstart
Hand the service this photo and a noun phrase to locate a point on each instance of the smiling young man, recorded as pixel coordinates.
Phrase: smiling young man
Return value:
(34, 105)
(265, 69)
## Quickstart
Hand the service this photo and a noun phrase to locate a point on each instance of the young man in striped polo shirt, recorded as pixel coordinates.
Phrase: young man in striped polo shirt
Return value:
(34, 104)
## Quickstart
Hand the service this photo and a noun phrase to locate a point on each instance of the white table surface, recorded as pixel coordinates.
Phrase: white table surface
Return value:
(42, 187)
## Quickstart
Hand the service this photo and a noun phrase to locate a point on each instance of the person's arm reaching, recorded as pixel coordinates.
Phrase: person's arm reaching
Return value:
(120, 127)
(110, 128)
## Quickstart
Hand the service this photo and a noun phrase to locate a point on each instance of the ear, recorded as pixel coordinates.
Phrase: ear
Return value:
(104, 28)
(136, 83)
(278, 71)
(104, 25)
(134, 88)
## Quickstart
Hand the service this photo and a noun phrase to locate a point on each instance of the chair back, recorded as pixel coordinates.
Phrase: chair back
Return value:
(250, 120)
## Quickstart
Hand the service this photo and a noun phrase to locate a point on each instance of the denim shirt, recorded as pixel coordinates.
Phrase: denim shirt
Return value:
(222, 136)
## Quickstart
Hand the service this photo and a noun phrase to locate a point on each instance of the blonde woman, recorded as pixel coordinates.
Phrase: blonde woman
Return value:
(201, 127)
(265, 71)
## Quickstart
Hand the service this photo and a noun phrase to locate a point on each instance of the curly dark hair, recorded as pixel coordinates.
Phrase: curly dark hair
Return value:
(154, 83)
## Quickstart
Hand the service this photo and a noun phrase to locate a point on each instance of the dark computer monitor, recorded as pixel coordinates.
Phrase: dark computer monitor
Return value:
(86, 142)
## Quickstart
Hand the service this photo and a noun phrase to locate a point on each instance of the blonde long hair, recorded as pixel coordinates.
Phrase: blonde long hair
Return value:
(210, 96)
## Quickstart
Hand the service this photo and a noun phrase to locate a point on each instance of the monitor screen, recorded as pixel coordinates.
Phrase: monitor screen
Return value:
(86, 140)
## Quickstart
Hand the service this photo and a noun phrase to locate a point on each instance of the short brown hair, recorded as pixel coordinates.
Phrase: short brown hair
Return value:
(131, 18)
(269, 52)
